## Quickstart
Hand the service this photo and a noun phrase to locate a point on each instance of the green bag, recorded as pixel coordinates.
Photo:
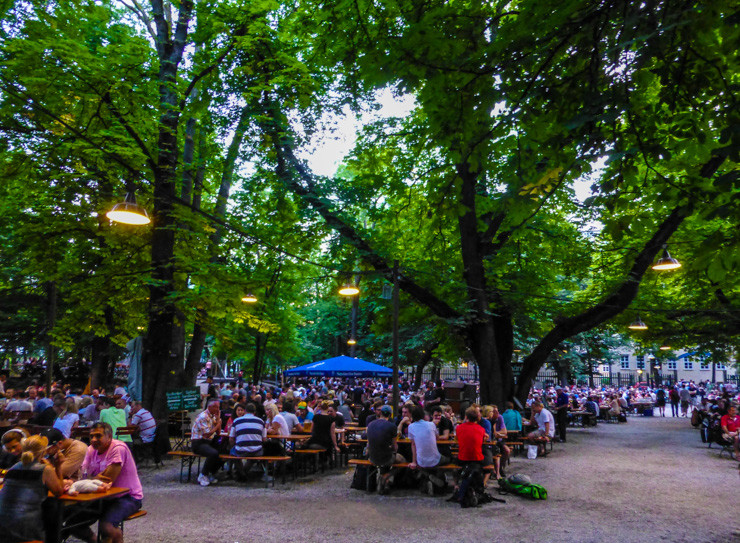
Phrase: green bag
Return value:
(529, 490)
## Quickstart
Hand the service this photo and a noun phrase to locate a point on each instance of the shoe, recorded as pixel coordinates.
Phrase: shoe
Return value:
(501, 473)
(267, 478)
(203, 480)
(430, 488)
(212, 479)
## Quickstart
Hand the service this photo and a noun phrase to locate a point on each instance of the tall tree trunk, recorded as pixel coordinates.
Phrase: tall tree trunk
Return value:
(160, 354)
(51, 317)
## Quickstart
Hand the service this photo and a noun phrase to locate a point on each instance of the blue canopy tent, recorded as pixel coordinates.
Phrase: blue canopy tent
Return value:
(340, 366)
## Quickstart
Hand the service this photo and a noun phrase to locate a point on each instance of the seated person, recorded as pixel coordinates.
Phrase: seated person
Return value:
(382, 447)
(24, 490)
(323, 430)
(246, 436)
(11, 451)
(304, 414)
(110, 460)
(65, 452)
(545, 425)
(144, 420)
(730, 424)
(512, 418)
(116, 417)
(423, 435)
(204, 440)
(444, 429)
(592, 406)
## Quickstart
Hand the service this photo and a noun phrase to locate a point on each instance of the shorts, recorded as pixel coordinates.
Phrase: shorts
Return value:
(118, 510)
(539, 432)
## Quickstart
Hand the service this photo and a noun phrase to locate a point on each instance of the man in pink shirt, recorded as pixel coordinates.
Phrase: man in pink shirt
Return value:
(110, 460)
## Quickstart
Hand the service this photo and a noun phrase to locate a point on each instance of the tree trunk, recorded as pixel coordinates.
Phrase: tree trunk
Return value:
(100, 361)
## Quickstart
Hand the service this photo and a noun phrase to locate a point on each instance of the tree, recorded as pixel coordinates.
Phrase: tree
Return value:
(513, 107)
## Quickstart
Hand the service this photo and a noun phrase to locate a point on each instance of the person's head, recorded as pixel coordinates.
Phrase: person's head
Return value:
(494, 412)
(271, 411)
(509, 405)
(214, 407)
(32, 448)
(240, 409)
(472, 414)
(486, 411)
(55, 437)
(732, 410)
(537, 407)
(288, 406)
(12, 440)
(325, 405)
(101, 435)
(331, 410)
(417, 413)
(71, 405)
(32, 393)
(136, 407)
(251, 408)
(95, 393)
(120, 403)
(60, 403)
(385, 411)
(302, 408)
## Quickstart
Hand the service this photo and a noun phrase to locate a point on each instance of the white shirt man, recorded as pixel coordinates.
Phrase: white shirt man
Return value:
(423, 435)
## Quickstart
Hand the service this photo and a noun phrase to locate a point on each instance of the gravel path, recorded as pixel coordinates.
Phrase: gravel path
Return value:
(648, 480)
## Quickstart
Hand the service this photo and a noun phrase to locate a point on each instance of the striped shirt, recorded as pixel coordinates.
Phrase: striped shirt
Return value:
(146, 423)
(247, 432)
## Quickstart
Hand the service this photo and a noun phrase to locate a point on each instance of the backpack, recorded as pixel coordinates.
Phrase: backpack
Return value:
(471, 492)
(516, 484)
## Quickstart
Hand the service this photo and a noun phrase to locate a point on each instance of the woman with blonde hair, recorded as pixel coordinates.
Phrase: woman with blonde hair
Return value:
(276, 426)
(25, 488)
(69, 419)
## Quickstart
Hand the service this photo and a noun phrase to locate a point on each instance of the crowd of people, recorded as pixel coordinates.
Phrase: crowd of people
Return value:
(54, 460)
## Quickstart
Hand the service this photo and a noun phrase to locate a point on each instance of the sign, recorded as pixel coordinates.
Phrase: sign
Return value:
(183, 399)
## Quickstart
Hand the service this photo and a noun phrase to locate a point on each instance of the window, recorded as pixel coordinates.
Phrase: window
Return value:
(721, 366)
(625, 362)
(672, 365)
(704, 365)
(641, 362)
(688, 364)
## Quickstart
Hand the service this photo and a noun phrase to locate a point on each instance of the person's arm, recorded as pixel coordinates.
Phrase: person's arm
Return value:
(299, 427)
(333, 433)
(52, 479)
(216, 428)
(501, 434)
(413, 464)
(111, 473)
(444, 435)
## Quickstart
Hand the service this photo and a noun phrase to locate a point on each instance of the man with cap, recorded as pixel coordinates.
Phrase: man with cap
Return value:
(561, 412)
(382, 447)
(303, 413)
(67, 453)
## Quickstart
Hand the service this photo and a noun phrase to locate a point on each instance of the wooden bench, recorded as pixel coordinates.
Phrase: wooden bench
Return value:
(133, 516)
(188, 458)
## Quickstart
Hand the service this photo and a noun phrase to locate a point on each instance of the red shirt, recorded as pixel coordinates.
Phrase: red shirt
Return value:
(470, 436)
(732, 424)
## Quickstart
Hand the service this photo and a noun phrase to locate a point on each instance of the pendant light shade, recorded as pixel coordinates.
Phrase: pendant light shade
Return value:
(637, 324)
(249, 298)
(666, 262)
(129, 212)
(349, 290)
(351, 341)
(665, 347)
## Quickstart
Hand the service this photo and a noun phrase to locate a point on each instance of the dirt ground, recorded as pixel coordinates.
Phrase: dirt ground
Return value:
(648, 480)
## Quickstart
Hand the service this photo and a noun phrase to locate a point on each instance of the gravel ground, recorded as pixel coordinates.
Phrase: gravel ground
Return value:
(648, 480)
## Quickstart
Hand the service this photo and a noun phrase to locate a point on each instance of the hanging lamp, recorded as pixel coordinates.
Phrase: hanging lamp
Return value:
(129, 212)
(666, 262)
(249, 298)
(349, 290)
(637, 324)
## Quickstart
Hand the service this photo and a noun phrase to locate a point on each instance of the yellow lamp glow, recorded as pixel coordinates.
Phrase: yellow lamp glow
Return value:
(349, 290)
(666, 262)
(249, 298)
(129, 212)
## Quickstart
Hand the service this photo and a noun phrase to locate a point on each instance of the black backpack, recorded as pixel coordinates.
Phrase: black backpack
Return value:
(471, 492)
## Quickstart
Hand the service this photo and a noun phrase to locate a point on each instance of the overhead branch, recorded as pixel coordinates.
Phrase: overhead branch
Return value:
(130, 130)
(294, 174)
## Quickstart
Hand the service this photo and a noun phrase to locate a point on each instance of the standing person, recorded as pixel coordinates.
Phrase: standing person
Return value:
(561, 412)
(204, 441)
(382, 447)
(110, 460)
(660, 401)
(685, 396)
(25, 488)
(675, 399)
